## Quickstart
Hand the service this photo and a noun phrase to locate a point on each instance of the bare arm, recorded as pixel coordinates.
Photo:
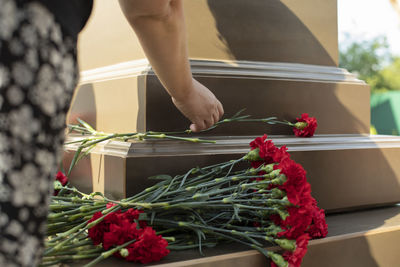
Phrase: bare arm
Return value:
(160, 27)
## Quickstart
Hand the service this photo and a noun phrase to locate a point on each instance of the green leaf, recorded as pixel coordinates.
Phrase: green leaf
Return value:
(200, 236)
(238, 113)
(74, 160)
(86, 125)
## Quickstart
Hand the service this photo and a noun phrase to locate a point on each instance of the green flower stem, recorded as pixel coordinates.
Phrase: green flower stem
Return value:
(70, 257)
(83, 214)
(49, 263)
(221, 180)
(84, 242)
(82, 250)
(282, 122)
(180, 180)
(225, 203)
(52, 217)
(170, 230)
(183, 247)
(196, 196)
(108, 253)
(224, 236)
(59, 207)
(69, 232)
(66, 241)
(209, 229)
(177, 181)
(62, 228)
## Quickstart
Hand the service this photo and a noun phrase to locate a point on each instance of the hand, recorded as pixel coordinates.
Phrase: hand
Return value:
(200, 106)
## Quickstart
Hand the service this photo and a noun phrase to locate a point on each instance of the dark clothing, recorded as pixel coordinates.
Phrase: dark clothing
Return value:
(38, 74)
(72, 15)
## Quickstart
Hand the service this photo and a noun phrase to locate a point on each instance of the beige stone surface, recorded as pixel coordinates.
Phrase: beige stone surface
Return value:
(277, 31)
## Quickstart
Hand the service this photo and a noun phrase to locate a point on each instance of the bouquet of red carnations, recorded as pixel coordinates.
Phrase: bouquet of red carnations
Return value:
(269, 203)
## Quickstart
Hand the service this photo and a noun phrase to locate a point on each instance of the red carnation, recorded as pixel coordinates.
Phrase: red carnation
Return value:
(296, 184)
(120, 233)
(132, 215)
(268, 152)
(149, 247)
(280, 154)
(96, 233)
(295, 258)
(119, 227)
(318, 228)
(305, 126)
(62, 179)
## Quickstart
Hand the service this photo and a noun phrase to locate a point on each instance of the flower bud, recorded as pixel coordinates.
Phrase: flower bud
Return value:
(57, 185)
(277, 193)
(300, 125)
(280, 180)
(124, 252)
(283, 214)
(286, 244)
(253, 155)
(268, 168)
(277, 259)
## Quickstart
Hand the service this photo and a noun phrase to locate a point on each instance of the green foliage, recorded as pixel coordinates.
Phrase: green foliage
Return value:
(390, 75)
(372, 62)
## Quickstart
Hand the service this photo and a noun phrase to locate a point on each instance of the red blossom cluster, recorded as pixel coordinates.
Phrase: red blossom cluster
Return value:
(119, 227)
(305, 219)
(305, 126)
(62, 179)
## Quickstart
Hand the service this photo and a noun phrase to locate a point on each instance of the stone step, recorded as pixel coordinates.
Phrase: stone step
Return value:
(358, 239)
(128, 97)
(345, 171)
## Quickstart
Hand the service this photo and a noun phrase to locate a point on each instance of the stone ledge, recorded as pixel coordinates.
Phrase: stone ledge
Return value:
(358, 239)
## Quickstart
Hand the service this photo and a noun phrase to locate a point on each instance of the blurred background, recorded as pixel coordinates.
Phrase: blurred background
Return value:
(369, 45)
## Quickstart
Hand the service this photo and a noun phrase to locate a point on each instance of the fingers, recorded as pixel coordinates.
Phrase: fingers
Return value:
(215, 116)
(202, 125)
(220, 110)
(198, 126)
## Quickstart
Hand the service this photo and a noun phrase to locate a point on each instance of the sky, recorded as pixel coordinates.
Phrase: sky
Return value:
(366, 19)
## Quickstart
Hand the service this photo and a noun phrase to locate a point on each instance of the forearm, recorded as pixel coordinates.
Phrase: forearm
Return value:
(161, 31)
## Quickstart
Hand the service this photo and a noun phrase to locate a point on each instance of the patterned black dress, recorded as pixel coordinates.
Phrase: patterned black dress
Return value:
(38, 74)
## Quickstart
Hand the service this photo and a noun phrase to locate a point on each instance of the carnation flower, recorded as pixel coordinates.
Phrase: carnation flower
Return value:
(295, 258)
(62, 179)
(305, 126)
(318, 228)
(149, 247)
(267, 152)
(96, 232)
(296, 184)
(118, 227)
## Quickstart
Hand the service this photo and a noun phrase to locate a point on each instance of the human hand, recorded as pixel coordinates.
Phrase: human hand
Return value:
(200, 106)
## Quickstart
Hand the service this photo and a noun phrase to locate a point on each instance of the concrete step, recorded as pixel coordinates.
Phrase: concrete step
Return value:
(346, 172)
(358, 239)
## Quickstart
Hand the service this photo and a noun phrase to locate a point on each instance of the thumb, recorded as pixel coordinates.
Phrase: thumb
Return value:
(194, 128)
